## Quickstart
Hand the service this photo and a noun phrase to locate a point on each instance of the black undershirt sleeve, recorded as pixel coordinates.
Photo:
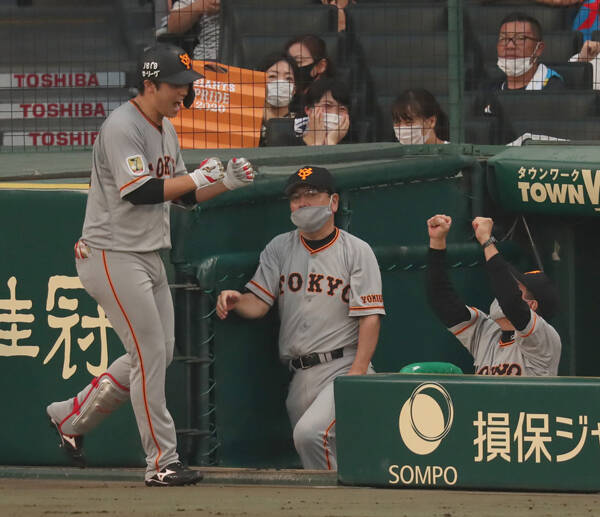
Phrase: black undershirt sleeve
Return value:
(150, 193)
(507, 292)
(441, 295)
(188, 199)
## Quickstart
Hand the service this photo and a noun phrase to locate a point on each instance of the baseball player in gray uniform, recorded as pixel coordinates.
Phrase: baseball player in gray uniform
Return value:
(137, 170)
(327, 285)
(515, 338)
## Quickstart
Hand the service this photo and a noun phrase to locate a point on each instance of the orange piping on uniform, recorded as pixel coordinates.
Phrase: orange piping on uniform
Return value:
(262, 289)
(137, 346)
(508, 343)
(325, 444)
(533, 327)
(133, 181)
(311, 251)
(367, 308)
(469, 324)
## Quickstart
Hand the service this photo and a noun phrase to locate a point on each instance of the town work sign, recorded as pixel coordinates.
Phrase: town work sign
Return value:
(556, 180)
(466, 431)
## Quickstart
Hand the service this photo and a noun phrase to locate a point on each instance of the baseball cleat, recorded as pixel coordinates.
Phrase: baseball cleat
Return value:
(175, 474)
(72, 445)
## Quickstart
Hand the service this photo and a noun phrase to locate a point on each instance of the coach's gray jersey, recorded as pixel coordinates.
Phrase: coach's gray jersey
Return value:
(534, 351)
(129, 150)
(318, 291)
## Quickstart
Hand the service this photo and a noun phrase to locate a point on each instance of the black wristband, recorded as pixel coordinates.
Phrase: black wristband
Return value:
(489, 242)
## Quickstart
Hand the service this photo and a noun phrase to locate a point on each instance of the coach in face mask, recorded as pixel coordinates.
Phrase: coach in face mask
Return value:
(520, 46)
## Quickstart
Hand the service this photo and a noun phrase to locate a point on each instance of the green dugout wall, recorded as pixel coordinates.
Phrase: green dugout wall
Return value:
(226, 387)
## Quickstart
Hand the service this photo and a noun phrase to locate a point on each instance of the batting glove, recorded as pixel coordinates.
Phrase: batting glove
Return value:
(239, 173)
(208, 172)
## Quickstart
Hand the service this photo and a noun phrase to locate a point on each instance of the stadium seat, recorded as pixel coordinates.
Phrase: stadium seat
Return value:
(485, 19)
(403, 49)
(377, 18)
(583, 130)
(392, 80)
(555, 106)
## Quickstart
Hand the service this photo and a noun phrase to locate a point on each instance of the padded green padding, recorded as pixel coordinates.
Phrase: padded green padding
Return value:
(431, 367)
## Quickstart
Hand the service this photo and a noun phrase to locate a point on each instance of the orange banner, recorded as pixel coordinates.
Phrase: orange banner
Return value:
(227, 111)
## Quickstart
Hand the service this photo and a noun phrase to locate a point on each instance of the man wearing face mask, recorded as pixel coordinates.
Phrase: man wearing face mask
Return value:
(515, 338)
(327, 285)
(520, 46)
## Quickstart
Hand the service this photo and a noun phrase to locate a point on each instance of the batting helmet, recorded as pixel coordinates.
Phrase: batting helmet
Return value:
(171, 64)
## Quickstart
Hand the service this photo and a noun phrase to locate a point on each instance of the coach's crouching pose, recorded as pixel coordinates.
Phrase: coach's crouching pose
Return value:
(328, 289)
(515, 339)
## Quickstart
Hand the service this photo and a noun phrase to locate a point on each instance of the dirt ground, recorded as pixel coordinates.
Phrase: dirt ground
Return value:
(38, 497)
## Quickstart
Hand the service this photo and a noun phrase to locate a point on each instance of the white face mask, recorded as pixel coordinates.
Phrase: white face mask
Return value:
(496, 311)
(279, 93)
(517, 66)
(331, 121)
(310, 219)
(415, 135)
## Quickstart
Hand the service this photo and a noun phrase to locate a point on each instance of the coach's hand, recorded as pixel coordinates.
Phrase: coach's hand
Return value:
(239, 173)
(438, 227)
(483, 228)
(226, 301)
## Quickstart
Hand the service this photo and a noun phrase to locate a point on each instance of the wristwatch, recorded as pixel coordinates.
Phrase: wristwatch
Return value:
(489, 242)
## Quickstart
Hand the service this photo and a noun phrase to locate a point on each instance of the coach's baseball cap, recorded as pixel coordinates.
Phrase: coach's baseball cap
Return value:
(543, 290)
(168, 63)
(317, 177)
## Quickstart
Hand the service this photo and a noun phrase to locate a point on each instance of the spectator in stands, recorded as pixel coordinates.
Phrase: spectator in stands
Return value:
(419, 119)
(200, 19)
(310, 54)
(520, 47)
(282, 75)
(341, 5)
(590, 52)
(328, 112)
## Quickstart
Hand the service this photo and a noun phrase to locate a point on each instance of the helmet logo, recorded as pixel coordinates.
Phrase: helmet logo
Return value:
(305, 172)
(185, 60)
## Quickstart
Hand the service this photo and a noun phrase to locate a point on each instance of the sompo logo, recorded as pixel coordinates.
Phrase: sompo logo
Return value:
(426, 418)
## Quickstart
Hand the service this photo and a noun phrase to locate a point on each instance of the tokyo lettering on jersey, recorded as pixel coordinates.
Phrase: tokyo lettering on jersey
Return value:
(319, 292)
(534, 351)
(130, 150)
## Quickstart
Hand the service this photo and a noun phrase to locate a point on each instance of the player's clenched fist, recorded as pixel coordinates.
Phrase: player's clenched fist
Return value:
(226, 301)
(208, 172)
(483, 228)
(239, 173)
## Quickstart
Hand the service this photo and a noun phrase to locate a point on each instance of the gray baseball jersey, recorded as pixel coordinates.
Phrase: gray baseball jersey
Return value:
(319, 292)
(130, 150)
(534, 351)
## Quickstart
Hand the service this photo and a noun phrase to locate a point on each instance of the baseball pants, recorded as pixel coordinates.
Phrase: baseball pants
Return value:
(132, 289)
(311, 408)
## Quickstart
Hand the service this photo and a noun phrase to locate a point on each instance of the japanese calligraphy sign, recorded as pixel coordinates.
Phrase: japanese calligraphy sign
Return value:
(529, 179)
(450, 431)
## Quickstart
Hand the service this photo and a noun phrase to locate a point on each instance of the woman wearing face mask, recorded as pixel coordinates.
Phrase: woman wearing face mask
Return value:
(419, 119)
(310, 54)
(281, 76)
(328, 113)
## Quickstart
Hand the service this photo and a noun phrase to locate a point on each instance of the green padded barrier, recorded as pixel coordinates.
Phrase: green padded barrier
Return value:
(560, 180)
(469, 432)
(52, 341)
(431, 367)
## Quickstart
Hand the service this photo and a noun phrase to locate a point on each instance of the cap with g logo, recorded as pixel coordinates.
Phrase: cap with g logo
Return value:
(317, 177)
(168, 63)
